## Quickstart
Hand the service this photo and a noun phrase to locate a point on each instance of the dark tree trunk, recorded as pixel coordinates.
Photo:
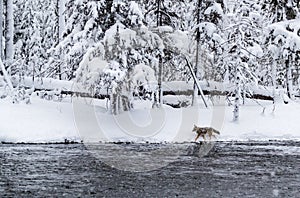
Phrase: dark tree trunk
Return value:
(1, 29)
(197, 53)
(160, 64)
(289, 80)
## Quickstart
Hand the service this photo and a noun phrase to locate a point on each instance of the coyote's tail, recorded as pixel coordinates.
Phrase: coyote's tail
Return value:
(215, 131)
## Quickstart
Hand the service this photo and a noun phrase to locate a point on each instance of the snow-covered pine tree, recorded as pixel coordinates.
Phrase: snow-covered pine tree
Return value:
(122, 61)
(34, 35)
(281, 10)
(178, 45)
(284, 44)
(166, 16)
(207, 24)
(163, 12)
(280, 36)
(242, 35)
(83, 29)
(86, 23)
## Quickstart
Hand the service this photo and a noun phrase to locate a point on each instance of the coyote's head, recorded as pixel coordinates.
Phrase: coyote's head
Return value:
(195, 128)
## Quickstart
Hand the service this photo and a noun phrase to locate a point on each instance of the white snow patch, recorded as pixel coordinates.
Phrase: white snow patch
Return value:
(215, 8)
(40, 122)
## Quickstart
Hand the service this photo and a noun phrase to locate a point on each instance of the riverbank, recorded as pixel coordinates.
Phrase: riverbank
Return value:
(46, 121)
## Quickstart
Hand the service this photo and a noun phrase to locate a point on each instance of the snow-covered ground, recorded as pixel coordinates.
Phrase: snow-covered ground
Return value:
(79, 119)
(40, 122)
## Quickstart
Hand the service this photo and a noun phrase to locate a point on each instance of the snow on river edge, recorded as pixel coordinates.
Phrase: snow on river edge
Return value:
(47, 122)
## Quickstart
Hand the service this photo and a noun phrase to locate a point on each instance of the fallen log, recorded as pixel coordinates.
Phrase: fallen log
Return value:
(218, 93)
(66, 88)
(188, 92)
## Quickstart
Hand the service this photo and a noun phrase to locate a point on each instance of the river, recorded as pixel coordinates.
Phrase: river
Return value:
(230, 169)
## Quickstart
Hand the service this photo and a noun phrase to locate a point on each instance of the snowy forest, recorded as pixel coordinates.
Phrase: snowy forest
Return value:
(133, 50)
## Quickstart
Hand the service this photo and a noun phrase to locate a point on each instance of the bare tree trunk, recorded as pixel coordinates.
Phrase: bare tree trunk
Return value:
(197, 54)
(289, 78)
(125, 103)
(61, 18)
(1, 29)
(160, 91)
(119, 101)
(6, 76)
(60, 22)
(160, 64)
(236, 110)
(237, 102)
(159, 18)
(113, 103)
(9, 33)
(196, 81)
(195, 94)
(274, 71)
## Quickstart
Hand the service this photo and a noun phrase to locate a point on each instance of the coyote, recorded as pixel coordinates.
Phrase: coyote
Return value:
(202, 131)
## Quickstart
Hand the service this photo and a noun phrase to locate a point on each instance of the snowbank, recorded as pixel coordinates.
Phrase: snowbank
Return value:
(45, 121)
(40, 122)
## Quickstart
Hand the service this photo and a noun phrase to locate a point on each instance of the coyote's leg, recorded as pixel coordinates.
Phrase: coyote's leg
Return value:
(197, 137)
(209, 135)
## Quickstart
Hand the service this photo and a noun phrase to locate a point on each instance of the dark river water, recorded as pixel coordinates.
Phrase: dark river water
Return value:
(230, 169)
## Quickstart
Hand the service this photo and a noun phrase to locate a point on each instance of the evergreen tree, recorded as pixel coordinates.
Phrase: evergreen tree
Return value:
(33, 35)
(207, 23)
(83, 29)
(164, 13)
(281, 10)
(284, 43)
(128, 53)
(240, 55)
